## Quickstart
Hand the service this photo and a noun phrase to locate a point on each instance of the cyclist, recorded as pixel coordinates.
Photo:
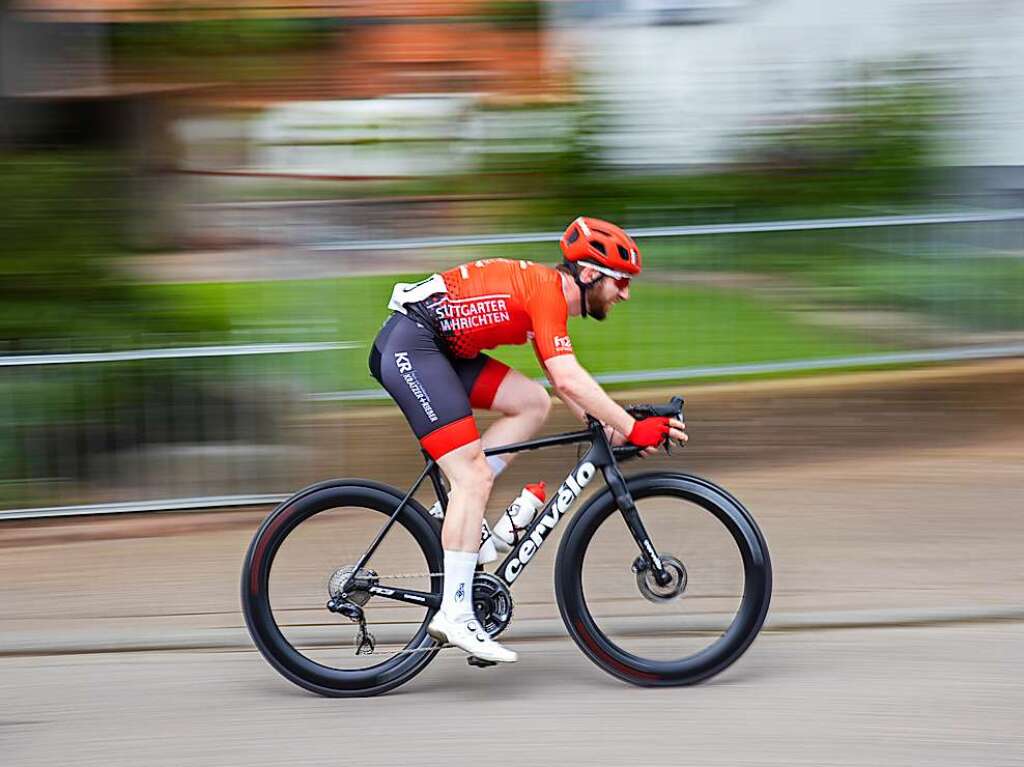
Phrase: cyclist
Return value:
(428, 357)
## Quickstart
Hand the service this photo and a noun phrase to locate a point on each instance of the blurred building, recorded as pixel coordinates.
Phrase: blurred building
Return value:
(689, 93)
(362, 49)
(254, 89)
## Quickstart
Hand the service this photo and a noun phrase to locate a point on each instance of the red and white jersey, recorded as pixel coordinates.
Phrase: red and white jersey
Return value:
(485, 304)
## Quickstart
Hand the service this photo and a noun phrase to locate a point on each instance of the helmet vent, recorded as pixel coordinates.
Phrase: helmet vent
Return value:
(573, 236)
(601, 231)
(597, 245)
(623, 253)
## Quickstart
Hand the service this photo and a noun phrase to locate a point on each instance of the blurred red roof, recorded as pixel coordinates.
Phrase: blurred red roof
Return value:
(415, 46)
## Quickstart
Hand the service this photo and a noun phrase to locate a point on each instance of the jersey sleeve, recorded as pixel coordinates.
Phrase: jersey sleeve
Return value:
(549, 314)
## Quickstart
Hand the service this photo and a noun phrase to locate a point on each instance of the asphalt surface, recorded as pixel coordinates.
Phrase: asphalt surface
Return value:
(921, 696)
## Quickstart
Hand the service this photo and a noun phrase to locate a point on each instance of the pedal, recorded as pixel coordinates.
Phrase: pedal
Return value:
(472, 660)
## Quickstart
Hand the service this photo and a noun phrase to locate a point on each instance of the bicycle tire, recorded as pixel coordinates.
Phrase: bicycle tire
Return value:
(255, 590)
(625, 665)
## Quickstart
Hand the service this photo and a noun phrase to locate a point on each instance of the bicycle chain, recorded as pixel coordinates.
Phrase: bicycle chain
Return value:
(410, 575)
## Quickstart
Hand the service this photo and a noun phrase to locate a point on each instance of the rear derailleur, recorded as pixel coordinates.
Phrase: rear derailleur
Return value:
(364, 642)
(350, 603)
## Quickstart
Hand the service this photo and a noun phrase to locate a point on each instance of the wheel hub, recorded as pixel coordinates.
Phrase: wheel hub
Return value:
(359, 590)
(492, 603)
(653, 591)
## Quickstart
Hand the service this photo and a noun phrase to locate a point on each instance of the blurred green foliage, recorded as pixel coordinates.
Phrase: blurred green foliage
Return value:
(62, 236)
(932, 273)
(61, 290)
(515, 14)
(218, 37)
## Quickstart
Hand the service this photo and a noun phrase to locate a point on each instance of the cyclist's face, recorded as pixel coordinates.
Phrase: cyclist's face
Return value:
(604, 295)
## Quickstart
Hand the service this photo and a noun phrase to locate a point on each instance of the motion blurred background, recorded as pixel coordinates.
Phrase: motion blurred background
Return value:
(254, 176)
(203, 207)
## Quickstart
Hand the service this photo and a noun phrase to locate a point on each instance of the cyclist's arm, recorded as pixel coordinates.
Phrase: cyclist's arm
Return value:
(576, 410)
(578, 389)
(573, 385)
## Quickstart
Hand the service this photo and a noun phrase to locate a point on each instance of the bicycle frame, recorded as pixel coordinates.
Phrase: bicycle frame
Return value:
(600, 456)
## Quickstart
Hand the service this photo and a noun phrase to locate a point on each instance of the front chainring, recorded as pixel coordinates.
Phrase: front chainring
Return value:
(492, 603)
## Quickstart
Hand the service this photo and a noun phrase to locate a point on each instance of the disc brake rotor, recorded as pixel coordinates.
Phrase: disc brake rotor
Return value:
(654, 591)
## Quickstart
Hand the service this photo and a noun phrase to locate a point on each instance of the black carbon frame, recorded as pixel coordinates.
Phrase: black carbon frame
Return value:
(600, 457)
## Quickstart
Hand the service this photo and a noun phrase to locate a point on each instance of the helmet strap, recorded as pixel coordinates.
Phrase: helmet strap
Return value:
(574, 268)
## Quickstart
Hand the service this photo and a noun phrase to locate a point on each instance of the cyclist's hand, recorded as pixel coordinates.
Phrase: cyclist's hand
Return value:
(677, 431)
(652, 432)
(649, 432)
(617, 439)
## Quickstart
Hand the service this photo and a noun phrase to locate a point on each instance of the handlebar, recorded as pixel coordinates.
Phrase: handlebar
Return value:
(673, 409)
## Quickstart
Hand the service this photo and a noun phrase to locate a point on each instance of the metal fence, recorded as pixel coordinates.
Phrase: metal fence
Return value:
(148, 429)
(210, 426)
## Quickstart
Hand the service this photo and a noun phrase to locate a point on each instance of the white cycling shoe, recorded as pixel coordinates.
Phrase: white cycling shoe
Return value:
(470, 636)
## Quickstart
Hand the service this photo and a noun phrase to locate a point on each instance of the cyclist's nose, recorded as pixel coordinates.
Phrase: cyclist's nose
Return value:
(624, 293)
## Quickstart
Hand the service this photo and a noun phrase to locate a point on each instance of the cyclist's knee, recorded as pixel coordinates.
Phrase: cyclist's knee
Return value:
(481, 477)
(473, 476)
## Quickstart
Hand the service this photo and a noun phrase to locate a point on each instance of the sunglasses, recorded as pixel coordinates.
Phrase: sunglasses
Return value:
(622, 283)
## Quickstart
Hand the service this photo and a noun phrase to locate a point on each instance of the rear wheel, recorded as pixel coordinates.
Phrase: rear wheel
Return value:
(688, 629)
(299, 559)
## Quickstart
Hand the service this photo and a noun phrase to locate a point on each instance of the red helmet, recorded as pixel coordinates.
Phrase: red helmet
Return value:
(603, 246)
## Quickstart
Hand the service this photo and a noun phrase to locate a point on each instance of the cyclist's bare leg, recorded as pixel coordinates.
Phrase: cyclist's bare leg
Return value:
(524, 405)
(471, 480)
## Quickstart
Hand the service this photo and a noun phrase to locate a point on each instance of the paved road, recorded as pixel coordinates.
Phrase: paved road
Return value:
(920, 696)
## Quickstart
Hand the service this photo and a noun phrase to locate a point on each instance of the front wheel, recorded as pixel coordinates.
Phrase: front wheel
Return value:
(680, 632)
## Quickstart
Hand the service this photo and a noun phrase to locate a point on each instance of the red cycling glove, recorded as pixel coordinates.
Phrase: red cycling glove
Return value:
(649, 432)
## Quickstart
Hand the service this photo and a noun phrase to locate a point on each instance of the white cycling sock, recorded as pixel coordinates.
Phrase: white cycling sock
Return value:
(497, 464)
(457, 601)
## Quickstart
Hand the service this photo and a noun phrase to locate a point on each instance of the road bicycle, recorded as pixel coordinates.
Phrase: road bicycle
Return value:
(344, 556)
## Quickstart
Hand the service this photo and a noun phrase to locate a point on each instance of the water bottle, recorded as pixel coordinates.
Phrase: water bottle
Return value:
(488, 553)
(518, 516)
(523, 508)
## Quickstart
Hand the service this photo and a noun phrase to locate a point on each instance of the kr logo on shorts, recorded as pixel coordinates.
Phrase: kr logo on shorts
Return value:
(563, 344)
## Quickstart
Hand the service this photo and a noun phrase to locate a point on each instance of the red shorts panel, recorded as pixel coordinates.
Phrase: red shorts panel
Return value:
(454, 435)
(485, 387)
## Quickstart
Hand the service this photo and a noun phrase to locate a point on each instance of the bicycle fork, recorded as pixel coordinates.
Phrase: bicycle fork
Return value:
(648, 559)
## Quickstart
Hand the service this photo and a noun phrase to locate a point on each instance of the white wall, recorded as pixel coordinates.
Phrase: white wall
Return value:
(686, 93)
